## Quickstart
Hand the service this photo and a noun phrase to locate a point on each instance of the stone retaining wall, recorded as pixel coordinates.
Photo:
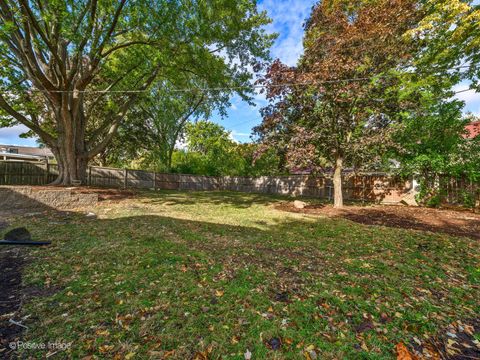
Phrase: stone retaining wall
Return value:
(26, 197)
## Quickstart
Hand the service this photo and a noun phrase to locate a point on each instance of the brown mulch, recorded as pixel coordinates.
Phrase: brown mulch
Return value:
(451, 222)
(105, 194)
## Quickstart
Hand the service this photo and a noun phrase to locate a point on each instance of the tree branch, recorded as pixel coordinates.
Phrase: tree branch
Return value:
(115, 122)
(124, 45)
(110, 31)
(28, 13)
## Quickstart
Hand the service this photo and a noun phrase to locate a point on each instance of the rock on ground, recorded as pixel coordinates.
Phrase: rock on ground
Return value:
(299, 204)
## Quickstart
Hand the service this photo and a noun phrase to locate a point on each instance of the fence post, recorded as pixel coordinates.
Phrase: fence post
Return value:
(89, 177)
(125, 178)
(363, 189)
(154, 180)
(47, 172)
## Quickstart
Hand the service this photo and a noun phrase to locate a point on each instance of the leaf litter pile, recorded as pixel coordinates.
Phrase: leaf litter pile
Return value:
(225, 275)
(453, 222)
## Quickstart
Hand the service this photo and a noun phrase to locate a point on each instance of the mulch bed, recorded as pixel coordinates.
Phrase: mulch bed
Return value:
(452, 222)
(105, 194)
(12, 261)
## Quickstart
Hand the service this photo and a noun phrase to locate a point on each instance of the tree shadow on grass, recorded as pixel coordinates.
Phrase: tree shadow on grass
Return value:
(13, 261)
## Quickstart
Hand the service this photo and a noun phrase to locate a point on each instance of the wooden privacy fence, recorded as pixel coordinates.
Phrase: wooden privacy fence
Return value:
(27, 173)
(366, 187)
(378, 187)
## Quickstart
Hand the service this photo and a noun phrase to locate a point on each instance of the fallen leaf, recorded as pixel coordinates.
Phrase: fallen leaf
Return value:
(403, 353)
(364, 346)
(167, 354)
(203, 355)
(102, 332)
(105, 348)
(310, 355)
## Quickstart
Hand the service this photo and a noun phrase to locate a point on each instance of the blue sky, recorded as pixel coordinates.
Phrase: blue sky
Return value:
(287, 20)
(288, 17)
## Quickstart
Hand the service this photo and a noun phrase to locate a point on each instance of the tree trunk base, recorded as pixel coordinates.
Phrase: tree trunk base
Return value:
(337, 184)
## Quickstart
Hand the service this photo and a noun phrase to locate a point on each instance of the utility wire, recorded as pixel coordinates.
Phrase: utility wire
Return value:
(241, 87)
(249, 86)
(464, 90)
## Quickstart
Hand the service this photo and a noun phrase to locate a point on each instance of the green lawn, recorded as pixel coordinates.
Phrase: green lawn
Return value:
(213, 274)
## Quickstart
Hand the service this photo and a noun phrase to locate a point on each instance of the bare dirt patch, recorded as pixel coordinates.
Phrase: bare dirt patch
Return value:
(452, 222)
(105, 194)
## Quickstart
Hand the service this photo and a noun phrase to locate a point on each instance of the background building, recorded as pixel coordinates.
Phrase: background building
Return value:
(25, 153)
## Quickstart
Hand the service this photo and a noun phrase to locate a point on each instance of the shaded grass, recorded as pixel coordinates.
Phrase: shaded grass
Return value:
(178, 274)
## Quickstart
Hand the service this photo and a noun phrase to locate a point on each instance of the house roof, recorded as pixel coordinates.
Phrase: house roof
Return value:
(10, 156)
(27, 150)
(473, 130)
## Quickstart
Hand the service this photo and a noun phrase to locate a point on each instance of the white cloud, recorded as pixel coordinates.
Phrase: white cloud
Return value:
(288, 19)
(13, 130)
(239, 137)
(10, 136)
(240, 134)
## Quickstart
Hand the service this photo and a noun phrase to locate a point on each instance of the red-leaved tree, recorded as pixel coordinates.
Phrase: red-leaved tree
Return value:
(335, 108)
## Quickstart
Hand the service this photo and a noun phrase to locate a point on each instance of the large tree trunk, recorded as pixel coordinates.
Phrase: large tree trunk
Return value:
(72, 164)
(337, 183)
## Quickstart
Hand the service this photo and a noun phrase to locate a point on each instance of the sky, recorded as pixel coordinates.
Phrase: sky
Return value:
(287, 20)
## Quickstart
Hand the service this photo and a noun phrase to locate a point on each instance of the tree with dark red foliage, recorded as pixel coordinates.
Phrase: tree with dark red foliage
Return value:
(335, 108)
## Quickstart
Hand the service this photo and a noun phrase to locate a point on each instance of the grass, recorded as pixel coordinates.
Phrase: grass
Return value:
(180, 275)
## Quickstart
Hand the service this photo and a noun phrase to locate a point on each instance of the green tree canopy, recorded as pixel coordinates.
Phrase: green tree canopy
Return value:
(71, 70)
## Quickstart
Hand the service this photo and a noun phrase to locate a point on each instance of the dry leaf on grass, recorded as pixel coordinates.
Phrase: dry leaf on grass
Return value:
(403, 353)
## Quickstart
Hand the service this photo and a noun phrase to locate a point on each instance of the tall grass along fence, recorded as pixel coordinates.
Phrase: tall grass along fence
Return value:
(378, 187)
